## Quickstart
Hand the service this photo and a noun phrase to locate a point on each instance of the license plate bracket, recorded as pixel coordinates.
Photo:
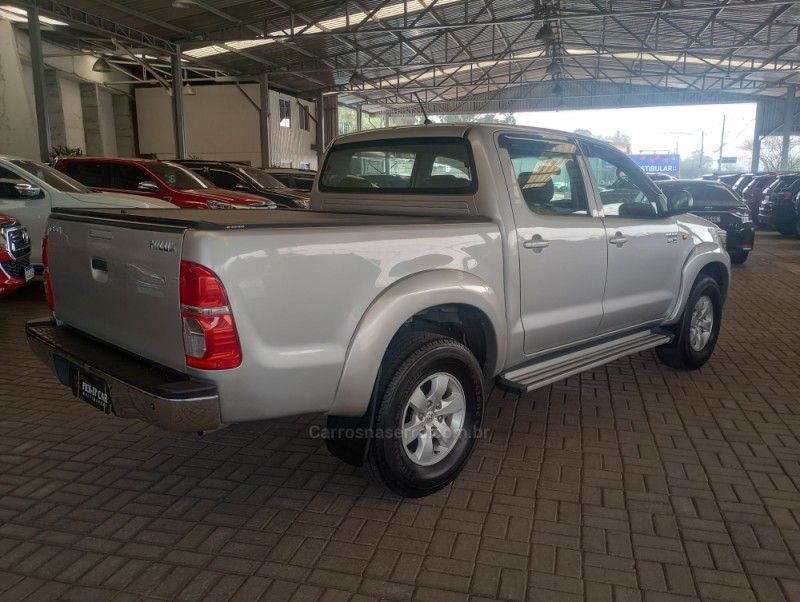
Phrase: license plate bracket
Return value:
(92, 390)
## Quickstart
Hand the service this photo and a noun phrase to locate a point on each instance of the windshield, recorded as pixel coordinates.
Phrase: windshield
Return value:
(56, 179)
(261, 178)
(178, 177)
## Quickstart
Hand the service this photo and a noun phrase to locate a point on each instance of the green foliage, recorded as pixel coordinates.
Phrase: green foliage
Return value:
(695, 166)
(65, 151)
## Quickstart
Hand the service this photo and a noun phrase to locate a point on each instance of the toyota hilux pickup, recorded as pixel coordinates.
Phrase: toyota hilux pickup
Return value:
(433, 258)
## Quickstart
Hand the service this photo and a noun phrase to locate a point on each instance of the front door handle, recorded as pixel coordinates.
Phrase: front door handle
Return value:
(618, 240)
(537, 243)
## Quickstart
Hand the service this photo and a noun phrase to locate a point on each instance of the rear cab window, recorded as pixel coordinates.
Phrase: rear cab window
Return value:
(408, 166)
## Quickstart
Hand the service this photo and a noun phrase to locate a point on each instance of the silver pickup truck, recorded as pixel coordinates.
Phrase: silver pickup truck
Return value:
(433, 258)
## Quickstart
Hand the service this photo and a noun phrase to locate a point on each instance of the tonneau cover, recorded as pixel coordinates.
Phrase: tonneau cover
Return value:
(219, 219)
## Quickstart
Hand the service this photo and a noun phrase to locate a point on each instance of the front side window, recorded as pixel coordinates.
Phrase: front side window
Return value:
(625, 190)
(127, 177)
(224, 179)
(548, 177)
(8, 181)
(418, 165)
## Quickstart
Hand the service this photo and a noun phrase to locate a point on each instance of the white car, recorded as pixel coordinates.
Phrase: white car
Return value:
(30, 190)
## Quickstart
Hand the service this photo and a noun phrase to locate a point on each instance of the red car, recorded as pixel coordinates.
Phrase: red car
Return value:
(159, 179)
(15, 253)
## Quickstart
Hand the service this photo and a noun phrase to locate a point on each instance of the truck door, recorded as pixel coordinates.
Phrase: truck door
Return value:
(645, 245)
(560, 242)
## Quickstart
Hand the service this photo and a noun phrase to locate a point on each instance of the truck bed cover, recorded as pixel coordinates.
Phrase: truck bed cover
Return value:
(219, 219)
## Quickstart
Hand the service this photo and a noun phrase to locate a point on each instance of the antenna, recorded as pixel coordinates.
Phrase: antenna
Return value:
(422, 108)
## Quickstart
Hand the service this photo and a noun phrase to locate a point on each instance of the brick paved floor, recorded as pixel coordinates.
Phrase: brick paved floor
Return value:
(631, 482)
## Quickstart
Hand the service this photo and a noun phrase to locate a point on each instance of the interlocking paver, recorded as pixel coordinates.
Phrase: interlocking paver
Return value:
(628, 482)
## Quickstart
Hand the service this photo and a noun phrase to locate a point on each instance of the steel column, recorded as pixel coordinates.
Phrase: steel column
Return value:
(263, 119)
(320, 129)
(37, 64)
(788, 123)
(359, 118)
(755, 160)
(178, 118)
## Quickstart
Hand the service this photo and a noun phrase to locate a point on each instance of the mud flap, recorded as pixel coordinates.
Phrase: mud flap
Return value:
(348, 437)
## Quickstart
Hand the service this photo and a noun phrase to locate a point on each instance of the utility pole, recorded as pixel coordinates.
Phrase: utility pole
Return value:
(721, 145)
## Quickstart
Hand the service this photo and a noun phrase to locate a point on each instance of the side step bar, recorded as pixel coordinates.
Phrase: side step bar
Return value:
(550, 369)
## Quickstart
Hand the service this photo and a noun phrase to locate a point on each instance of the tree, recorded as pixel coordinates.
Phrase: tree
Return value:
(507, 118)
(770, 157)
(694, 166)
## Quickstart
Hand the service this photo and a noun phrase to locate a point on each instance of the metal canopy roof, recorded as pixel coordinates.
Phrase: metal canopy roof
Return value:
(453, 54)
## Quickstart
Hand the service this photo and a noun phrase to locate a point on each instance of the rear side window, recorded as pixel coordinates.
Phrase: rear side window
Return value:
(88, 173)
(411, 166)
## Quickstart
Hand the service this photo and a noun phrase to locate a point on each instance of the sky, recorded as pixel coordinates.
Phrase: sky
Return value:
(661, 129)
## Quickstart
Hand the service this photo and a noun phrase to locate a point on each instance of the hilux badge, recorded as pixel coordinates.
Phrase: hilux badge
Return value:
(162, 245)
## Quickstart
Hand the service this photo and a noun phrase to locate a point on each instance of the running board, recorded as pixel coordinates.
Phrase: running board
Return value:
(552, 369)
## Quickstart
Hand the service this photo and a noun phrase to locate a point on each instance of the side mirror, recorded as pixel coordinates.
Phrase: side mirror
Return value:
(148, 186)
(680, 202)
(241, 186)
(28, 191)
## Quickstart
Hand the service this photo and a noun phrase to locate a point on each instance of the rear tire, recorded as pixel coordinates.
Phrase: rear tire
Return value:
(698, 330)
(430, 409)
(739, 256)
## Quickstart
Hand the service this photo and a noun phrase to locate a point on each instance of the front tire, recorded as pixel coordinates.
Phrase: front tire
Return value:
(430, 409)
(698, 330)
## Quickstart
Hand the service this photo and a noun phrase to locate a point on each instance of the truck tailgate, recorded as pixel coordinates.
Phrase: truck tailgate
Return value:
(119, 281)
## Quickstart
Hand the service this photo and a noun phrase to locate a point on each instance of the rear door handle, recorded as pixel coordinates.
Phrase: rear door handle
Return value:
(618, 240)
(537, 243)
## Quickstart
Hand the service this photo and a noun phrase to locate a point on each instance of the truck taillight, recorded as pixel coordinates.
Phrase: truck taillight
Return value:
(209, 332)
(48, 287)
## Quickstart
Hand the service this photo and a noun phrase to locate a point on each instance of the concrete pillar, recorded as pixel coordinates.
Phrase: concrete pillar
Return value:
(55, 108)
(123, 125)
(18, 130)
(98, 121)
(788, 123)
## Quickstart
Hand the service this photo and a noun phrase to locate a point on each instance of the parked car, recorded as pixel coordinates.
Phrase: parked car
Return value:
(742, 181)
(779, 209)
(388, 308)
(299, 179)
(235, 176)
(720, 205)
(156, 179)
(753, 193)
(728, 178)
(15, 254)
(30, 190)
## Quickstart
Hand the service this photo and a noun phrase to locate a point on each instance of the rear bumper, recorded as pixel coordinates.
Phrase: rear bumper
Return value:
(136, 389)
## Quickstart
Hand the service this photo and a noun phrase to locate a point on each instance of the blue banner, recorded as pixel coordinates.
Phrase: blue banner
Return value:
(667, 164)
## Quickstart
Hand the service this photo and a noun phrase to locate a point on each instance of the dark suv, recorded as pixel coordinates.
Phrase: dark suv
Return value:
(753, 193)
(237, 176)
(779, 208)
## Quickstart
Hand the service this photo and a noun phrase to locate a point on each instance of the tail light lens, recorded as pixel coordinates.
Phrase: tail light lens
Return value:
(745, 213)
(48, 287)
(210, 339)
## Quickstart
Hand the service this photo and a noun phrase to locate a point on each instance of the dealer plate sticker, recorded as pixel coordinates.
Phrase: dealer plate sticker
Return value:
(28, 272)
(93, 391)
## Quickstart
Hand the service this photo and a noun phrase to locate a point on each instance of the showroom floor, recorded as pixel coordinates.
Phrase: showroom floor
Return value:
(631, 482)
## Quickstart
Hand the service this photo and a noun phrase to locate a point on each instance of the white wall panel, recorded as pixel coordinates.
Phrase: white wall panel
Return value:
(222, 124)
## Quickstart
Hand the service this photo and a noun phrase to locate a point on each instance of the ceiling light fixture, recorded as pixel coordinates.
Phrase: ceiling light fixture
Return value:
(558, 90)
(182, 3)
(554, 68)
(546, 33)
(188, 90)
(101, 65)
